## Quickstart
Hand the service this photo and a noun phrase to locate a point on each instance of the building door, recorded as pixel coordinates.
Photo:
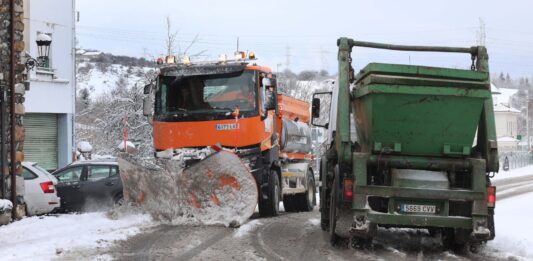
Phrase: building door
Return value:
(41, 139)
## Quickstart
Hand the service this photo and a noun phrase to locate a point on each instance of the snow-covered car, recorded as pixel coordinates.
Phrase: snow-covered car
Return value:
(40, 192)
(89, 185)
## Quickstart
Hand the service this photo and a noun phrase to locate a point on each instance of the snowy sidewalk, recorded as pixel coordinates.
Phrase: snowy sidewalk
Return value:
(47, 237)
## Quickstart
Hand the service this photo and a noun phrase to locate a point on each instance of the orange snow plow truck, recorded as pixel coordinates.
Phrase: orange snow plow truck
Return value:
(225, 141)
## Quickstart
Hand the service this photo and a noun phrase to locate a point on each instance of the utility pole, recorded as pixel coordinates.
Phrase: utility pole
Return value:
(527, 121)
(237, 43)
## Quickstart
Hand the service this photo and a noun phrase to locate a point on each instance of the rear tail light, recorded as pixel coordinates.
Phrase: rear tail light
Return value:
(491, 196)
(47, 187)
(348, 190)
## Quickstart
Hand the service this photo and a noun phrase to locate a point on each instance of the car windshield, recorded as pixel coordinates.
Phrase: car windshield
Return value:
(207, 93)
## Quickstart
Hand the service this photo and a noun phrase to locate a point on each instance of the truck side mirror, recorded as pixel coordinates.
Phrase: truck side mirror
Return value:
(270, 102)
(315, 109)
(320, 109)
(147, 106)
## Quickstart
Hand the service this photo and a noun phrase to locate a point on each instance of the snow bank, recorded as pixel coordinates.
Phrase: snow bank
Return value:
(514, 229)
(41, 237)
(519, 172)
(247, 228)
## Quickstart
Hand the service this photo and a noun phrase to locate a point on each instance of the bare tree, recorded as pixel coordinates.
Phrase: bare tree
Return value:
(170, 41)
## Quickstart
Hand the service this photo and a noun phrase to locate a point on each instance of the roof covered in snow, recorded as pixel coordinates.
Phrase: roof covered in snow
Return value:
(502, 95)
(507, 139)
(503, 108)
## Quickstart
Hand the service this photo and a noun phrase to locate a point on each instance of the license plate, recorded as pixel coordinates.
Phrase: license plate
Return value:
(412, 208)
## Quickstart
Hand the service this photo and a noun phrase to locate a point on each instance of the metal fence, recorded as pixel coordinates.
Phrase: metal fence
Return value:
(515, 159)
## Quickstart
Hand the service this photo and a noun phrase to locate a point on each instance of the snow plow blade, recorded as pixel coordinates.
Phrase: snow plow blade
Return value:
(216, 190)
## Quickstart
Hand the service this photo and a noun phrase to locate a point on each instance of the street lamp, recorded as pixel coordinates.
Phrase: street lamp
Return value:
(43, 47)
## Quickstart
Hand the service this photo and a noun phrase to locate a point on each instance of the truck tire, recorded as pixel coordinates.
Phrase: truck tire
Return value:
(333, 237)
(270, 206)
(289, 203)
(490, 221)
(324, 193)
(306, 201)
(324, 211)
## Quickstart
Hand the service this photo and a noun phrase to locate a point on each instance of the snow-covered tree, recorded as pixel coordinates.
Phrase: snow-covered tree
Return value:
(102, 122)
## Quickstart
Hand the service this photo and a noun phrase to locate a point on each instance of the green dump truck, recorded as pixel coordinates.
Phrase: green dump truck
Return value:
(409, 146)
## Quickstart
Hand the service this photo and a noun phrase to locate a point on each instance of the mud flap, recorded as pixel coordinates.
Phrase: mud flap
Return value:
(217, 190)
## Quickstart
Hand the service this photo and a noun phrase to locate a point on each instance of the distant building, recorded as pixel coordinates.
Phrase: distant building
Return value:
(506, 119)
(50, 101)
(85, 55)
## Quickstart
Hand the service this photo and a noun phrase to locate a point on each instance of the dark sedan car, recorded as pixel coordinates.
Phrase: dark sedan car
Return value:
(89, 185)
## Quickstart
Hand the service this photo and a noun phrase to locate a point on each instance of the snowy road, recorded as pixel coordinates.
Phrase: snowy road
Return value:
(297, 236)
(290, 236)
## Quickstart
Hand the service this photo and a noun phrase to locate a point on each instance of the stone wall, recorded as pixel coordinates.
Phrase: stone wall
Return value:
(20, 76)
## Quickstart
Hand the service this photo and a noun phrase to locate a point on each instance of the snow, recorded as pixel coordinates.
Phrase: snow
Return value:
(44, 37)
(507, 139)
(85, 146)
(519, 172)
(514, 229)
(5, 204)
(247, 228)
(314, 221)
(129, 144)
(101, 83)
(44, 236)
(502, 95)
(504, 108)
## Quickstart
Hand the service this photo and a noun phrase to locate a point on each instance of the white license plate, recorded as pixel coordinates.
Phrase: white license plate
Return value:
(411, 208)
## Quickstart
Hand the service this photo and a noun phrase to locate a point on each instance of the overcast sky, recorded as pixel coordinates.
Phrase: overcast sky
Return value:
(303, 33)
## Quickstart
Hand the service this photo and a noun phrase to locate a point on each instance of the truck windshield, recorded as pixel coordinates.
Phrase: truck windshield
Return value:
(201, 94)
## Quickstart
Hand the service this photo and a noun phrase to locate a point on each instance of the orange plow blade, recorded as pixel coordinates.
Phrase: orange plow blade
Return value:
(216, 190)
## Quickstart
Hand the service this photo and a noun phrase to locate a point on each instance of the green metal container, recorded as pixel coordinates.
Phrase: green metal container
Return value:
(415, 110)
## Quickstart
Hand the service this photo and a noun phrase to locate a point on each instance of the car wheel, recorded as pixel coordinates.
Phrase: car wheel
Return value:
(119, 200)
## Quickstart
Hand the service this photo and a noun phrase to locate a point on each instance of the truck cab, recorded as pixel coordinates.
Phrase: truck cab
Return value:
(234, 104)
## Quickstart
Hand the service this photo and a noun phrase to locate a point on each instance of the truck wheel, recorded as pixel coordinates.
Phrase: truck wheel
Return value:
(270, 206)
(289, 203)
(324, 210)
(490, 221)
(325, 194)
(333, 237)
(307, 200)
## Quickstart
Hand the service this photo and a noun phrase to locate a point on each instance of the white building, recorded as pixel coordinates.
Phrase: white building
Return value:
(50, 102)
(506, 119)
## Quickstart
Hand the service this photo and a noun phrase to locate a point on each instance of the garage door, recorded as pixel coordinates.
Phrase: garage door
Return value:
(41, 139)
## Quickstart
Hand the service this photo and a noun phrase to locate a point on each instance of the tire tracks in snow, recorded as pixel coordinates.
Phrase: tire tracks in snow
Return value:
(204, 245)
(510, 187)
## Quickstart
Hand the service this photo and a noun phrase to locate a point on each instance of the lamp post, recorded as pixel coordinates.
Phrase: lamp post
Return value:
(43, 48)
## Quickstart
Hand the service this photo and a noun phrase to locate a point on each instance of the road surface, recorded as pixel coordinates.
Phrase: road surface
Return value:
(292, 236)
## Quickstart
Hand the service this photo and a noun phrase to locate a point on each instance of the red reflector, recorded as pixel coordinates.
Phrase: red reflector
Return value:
(47, 187)
(491, 196)
(53, 203)
(348, 189)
